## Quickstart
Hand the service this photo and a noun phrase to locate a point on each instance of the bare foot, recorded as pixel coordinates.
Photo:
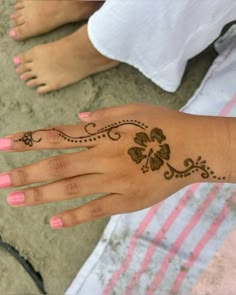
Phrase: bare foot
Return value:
(35, 17)
(61, 63)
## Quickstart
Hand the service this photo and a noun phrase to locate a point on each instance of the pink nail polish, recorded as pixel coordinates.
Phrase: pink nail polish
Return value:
(16, 60)
(5, 181)
(16, 198)
(56, 222)
(5, 144)
(84, 115)
(13, 15)
(12, 33)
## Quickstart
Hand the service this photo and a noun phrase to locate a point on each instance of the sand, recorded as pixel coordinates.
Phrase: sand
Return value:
(58, 255)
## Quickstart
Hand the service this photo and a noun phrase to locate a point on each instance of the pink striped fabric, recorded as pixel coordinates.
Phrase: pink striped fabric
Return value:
(200, 246)
(180, 239)
(166, 226)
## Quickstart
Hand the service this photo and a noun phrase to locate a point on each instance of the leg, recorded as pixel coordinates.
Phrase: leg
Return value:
(37, 17)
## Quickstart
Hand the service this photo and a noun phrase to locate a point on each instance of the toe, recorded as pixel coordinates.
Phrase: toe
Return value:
(43, 89)
(33, 83)
(22, 59)
(28, 75)
(23, 68)
(17, 21)
(19, 5)
(16, 15)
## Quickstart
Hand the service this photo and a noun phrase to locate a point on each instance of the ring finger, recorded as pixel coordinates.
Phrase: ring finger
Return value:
(54, 168)
(78, 186)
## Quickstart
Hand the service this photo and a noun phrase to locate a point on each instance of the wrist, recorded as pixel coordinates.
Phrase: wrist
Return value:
(212, 138)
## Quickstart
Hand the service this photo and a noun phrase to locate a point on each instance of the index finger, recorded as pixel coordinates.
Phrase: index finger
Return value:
(58, 137)
(68, 136)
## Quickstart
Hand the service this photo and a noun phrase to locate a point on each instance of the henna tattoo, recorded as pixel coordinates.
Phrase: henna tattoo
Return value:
(29, 138)
(155, 159)
(152, 150)
(191, 167)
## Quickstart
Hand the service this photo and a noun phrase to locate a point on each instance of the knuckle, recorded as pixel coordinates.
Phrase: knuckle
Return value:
(72, 188)
(57, 166)
(36, 195)
(95, 210)
(19, 177)
(99, 113)
(54, 137)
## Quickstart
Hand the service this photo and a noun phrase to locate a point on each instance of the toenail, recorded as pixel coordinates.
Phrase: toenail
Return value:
(12, 33)
(16, 60)
(13, 15)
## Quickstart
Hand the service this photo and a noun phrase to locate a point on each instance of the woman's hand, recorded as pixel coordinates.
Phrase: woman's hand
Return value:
(137, 156)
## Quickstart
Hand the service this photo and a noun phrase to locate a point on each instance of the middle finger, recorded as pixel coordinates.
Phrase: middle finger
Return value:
(58, 167)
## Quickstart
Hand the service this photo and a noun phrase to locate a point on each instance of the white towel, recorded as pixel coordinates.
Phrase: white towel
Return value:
(158, 37)
(163, 249)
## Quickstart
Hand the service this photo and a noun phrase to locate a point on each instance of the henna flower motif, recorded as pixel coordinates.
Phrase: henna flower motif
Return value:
(28, 139)
(154, 157)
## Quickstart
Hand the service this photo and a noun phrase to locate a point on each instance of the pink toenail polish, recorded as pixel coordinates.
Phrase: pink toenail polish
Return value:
(56, 222)
(5, 181)
(16, 198)
(5, 144)
(12, 33)
(16, 60)
(13, 15)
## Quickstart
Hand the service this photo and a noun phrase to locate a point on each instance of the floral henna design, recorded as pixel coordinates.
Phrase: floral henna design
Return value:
(155, 158)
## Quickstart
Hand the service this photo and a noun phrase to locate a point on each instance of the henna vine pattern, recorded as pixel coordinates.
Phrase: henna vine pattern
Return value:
(155, 159)
(92, 134)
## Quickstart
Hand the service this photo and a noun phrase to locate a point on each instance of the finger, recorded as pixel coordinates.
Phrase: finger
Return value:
(61, 137)
(54, 168)
(102, 207)
(70, 188)
(109, 113)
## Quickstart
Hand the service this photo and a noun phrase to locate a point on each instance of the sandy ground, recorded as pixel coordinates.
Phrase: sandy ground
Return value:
(58, 255)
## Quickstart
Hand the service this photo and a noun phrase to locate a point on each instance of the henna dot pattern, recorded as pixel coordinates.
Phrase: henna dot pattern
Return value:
(91, 133)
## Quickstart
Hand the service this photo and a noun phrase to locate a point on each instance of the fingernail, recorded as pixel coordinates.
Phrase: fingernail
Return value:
(16, 198)
(84, 115)
(56, 222)
(16, 60)
(12, 33)
(5, 181)
(5, 144)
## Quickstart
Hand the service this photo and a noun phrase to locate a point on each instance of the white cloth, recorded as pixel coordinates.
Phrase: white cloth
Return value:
(158, 36)
(165, 248)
